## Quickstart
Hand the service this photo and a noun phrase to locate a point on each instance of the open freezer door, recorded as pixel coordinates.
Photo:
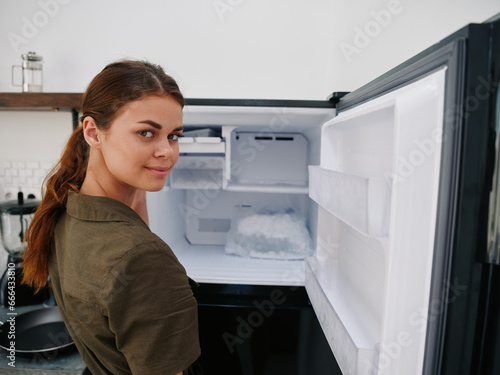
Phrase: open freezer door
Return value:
(377, 193)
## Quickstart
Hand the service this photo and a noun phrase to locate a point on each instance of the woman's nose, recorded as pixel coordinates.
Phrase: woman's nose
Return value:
(165, 149)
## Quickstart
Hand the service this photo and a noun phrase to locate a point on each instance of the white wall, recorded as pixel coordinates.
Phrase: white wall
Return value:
(373, 36)
(288, 49)
(214, 48)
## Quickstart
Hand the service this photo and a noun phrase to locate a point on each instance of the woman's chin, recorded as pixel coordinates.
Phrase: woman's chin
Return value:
(155, 187)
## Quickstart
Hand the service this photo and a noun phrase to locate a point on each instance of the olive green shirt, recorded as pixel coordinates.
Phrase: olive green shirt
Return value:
(125, 298)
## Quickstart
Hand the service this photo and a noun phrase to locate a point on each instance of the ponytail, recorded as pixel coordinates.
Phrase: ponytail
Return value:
(67, 175)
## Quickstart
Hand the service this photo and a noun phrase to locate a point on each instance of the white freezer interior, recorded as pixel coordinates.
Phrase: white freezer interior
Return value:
(376, 187)
(258, 158)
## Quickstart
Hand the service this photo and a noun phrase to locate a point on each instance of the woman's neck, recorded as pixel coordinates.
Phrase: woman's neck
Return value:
(135, 199)
(98, 183)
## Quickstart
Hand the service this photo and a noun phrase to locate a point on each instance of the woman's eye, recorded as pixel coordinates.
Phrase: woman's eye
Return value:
(174, 137)
(147, 133)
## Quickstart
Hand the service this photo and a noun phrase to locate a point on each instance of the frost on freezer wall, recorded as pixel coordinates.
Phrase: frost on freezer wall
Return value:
(270, 234)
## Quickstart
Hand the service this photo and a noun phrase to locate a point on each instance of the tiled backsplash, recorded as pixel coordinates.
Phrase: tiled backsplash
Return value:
(22, 175)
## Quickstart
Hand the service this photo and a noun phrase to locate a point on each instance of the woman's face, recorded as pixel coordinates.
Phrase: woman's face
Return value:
(141, 146)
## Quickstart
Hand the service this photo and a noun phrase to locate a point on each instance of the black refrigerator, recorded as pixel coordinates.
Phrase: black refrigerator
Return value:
(398, 185)
(438, 302)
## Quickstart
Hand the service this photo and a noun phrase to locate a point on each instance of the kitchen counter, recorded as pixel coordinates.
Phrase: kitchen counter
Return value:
(68, 363)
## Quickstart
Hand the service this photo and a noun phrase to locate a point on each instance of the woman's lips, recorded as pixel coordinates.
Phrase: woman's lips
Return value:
(158, 171)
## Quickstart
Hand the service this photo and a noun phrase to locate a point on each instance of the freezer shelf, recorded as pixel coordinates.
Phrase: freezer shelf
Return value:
(263, 188)
(210, 264)
(363, 203)
(206, 145)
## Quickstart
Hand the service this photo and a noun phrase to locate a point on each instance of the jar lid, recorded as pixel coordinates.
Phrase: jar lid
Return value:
(31, 56)
(19, 206)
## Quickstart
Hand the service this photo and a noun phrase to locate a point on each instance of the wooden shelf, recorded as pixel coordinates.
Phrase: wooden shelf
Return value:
(40, 101)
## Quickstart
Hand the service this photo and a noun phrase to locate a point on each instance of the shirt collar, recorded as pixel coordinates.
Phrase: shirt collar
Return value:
(94, 208)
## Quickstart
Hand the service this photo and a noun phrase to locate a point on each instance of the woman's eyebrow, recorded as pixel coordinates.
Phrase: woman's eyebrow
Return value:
(158, 126)
(152, 123)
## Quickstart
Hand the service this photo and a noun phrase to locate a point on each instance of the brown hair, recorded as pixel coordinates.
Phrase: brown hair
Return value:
(116, 85)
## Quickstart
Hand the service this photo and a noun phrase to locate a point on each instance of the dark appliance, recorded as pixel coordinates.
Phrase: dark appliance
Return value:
(16, 215)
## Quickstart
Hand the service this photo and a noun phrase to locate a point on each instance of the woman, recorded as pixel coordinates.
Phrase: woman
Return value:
(122, 293)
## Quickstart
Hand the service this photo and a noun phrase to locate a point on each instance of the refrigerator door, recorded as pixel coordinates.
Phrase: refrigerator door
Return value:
(377, 190)
(403, 281)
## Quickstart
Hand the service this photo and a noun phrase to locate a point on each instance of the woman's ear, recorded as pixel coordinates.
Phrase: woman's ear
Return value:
(91, 132)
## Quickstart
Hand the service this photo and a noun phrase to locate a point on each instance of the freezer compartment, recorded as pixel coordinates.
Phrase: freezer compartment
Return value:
(245, 212)
(363, 203)
(258, 170)
(201, 160)
(252, 199)
(243, 160)
(195, 224)
(210, 214)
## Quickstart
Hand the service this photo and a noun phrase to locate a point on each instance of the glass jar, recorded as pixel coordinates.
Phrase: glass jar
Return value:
(32, 75)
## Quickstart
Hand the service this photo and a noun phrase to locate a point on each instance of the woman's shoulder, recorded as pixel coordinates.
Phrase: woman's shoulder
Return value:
(109, 233)
(102, 220)
(107, 255)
